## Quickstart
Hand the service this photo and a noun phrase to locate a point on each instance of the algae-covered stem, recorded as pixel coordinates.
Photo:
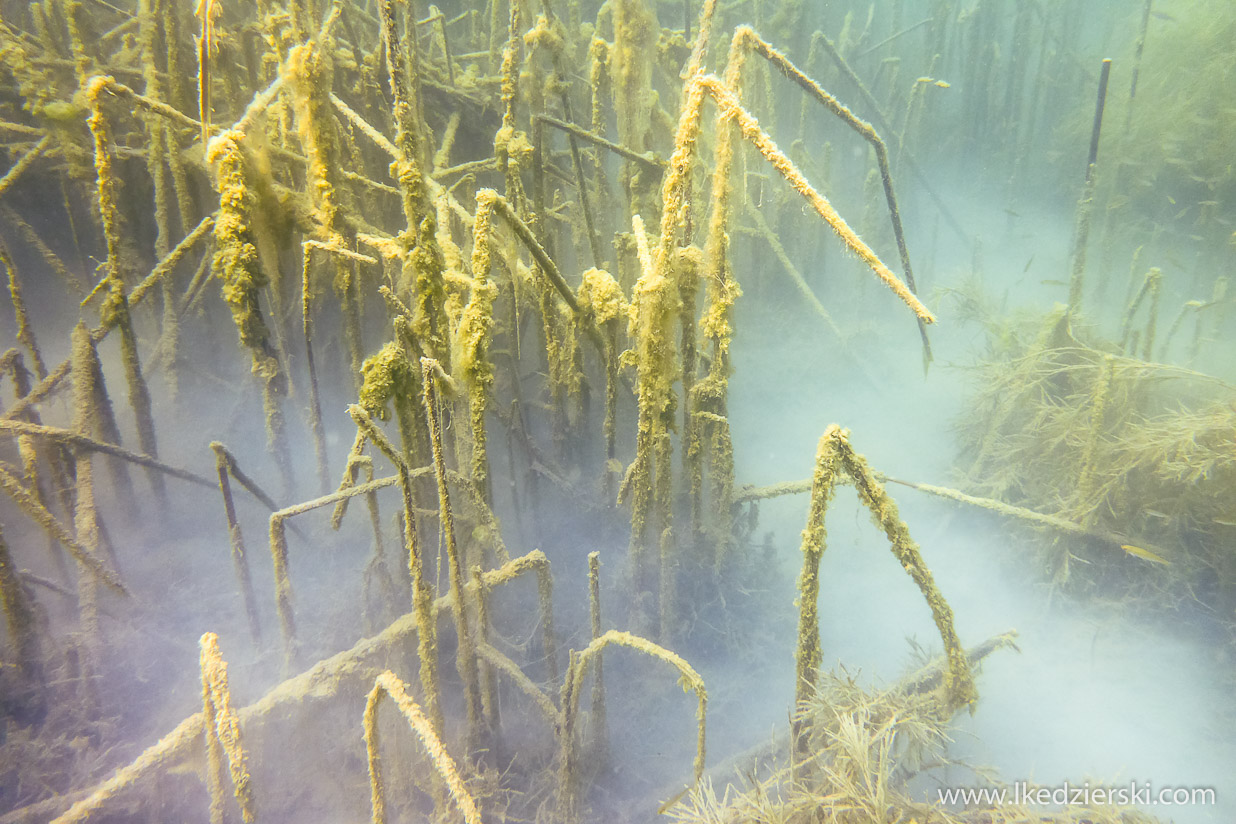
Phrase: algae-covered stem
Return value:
(235, 262)
(751, 130)
(753, 41)
(466, 654)
(835, 458)
(882, 122)
(573, 686)
(240, 562)
(315, 397)
(422, 592)
(223, 735)
(431, 740)
(1137, 62)
(92, 403)
(87, 379)
(599, 723)
(654, 163)
(958, 684)
(25, 332)
(89, 444)
(115, 309)
(1086, 205)
(1151, 285)
(488, 676)
(473, 336)
(423, 261)
(808, 653)
(23, 163)
(58, 458)
(1055, 523)
(22, 624)
(321, 682)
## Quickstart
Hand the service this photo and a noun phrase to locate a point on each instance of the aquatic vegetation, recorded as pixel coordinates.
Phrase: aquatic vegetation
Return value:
(1135, 454)
(1170, 163)
(389, 684)
(859, 750)
(419, 190)
(836, 459)
(223, 735)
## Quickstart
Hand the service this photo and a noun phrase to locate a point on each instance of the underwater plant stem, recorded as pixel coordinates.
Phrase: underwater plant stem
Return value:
(92, 408)
(473, 337)
(466, 654)
(88, 412)
(545, 600)
(878, 116)
(175, 744)
(389, 684)
(423, 260)
(782, 63)
(25, 332)
(240, 561)
(315, 396)
(88, 443)
(1087, 507)
(349, 478)
(650, 160)
(958, 686)
(652, 314)
(223, 734)
(1100, 103)
(21, 623)
(115, 310)
(503, 207)
(892, 37)
(761, 225)
(408, 131)
(543, 34)
(323, 681)
(1085, 206)
(350, 309)
(26, 501)
(1052, 522)
(23, 163)
(547, 266)
(58, 458)
(1150, 284)
(499, 662)
(236, 263)
(165, 266)
(73, 280)
(808, 653)
(283, 587)
(489, 678)
(141, 101)
(139, 392)
(751, 130)
(1137, 62)
(248, 483)
(573, 686)
(600, 727)
(835, 456)
(422, 593)
(1152, 314)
